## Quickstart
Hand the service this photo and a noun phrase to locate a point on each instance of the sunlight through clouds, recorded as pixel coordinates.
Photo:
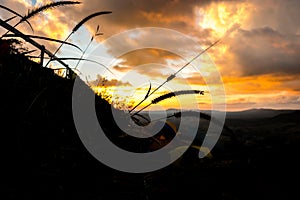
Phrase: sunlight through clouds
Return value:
(219, 17)
(251, 59)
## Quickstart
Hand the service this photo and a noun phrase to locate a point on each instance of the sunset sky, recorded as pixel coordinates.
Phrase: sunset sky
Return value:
(259, 62)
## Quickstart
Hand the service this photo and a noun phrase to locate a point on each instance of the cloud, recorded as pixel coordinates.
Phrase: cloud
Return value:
(150, 55)
(280, 15)
(180, 15)
(52, 23)
(259, 59)
(266, 51)
(104, 82)
(261, 84)
(122, 68)
(282, 100)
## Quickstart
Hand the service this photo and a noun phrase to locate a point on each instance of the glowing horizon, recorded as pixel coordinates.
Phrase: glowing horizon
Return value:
(258, 63)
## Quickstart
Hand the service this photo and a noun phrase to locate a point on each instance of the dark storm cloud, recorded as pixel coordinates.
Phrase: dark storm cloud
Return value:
(282, 16)
(266, 51)
(127, 14)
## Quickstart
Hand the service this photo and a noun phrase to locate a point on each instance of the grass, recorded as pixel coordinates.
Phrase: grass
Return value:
(45, 159)
(167, 96)
(91, 16)
(53, 5)
(118, 135)
(36, 11)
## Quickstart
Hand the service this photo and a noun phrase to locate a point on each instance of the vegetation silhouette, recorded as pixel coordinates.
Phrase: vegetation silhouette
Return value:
(34, 12)
(45, 159)
(91, 16)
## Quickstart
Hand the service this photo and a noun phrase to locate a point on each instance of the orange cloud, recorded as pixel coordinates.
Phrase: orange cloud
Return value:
(261, 84)
(259, 62)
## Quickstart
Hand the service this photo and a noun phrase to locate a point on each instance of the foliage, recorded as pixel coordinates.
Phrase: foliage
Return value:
(16, 14)
(52, 5)
(77, 27)
(14, 46)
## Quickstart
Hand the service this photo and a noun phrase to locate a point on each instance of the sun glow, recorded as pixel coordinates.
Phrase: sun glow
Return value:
(125, 97)
(219, 17)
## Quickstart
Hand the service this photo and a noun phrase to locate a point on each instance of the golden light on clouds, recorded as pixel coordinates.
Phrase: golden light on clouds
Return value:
(220, 16)
(126, 96)
(55, 30)
(259, 62)
(261, 91)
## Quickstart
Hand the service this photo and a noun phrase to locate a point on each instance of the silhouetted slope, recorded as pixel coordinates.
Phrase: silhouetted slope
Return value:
(42, 156)
(292, 116)
(256, 114)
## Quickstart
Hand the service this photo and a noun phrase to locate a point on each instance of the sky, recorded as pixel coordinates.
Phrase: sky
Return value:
(258, 63)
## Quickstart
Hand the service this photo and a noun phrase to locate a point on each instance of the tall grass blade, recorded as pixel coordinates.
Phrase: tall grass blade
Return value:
(77, 27)
(91, 40)
(82, 59)
(174, 94)
(28, 52)
(88, 18)
(148, 91)
(169, 95)
(45, 38)
(172, 76)
(11, 18)
(17, 14)
(58, 49)
(32, 13)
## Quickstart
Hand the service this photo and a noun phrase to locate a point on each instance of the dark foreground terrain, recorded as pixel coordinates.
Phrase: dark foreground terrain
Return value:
(42, 156)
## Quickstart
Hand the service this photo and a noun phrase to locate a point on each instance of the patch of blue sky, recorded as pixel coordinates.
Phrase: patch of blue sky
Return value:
(96, 52)
(32, 2)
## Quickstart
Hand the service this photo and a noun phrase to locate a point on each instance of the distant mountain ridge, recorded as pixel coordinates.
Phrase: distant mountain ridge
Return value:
(257, 113)
(291, 116)
(245, 114)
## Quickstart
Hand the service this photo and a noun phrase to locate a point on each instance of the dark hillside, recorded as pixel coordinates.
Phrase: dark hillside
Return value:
(41, 149)
(42, 156)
